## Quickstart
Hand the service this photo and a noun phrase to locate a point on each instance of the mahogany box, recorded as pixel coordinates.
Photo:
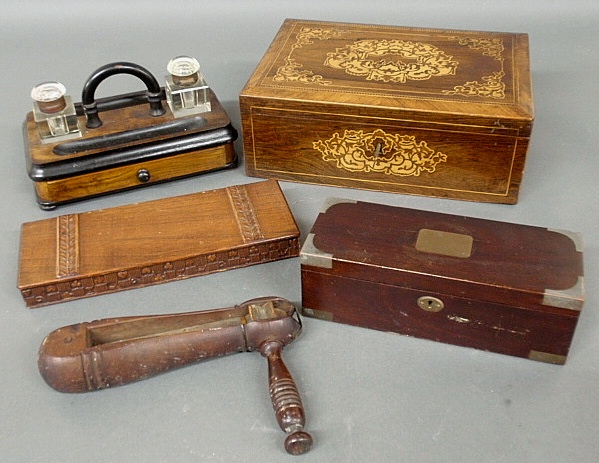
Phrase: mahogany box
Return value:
(80, 255)
(501, 287)
(441, 113)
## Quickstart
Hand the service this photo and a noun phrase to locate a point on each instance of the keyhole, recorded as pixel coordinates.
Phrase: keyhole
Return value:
(430, 304)
(378, 150)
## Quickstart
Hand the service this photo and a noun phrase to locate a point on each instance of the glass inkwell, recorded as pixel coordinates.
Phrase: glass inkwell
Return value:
(186, 90)
(54, 112)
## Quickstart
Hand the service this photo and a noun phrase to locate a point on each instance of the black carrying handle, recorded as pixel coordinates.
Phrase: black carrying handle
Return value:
(90, 108)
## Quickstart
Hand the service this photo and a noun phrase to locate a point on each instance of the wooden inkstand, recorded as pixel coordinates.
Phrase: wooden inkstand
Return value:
(76, 151)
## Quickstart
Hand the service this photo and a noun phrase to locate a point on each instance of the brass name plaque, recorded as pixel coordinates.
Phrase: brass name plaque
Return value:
(444, 243)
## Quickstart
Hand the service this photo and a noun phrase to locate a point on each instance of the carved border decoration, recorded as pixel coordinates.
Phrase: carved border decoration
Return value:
(378, 151)
(67, 245)
(292, 71)
(138, 277)
(244, 211)
(365, 58)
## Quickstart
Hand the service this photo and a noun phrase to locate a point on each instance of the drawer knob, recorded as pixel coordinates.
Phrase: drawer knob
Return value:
(430, 303)
(143, 175)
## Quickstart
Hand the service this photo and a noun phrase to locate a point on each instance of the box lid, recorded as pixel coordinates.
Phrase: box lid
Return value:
(426, 71)
(479, 259)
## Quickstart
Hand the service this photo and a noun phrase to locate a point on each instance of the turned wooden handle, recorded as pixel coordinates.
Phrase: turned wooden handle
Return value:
(286, 400)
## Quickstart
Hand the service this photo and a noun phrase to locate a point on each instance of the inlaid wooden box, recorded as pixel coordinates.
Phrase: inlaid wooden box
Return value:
(126, 247)
(501, 287)
(429, 112)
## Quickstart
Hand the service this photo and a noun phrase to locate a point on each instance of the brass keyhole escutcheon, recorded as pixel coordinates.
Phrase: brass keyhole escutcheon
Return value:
(430, 303)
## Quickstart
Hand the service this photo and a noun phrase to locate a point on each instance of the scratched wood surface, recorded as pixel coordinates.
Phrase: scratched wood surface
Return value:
(516, 290)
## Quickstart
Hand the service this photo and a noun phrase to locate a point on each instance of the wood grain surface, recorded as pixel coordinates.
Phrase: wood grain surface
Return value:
(519, 290)
(99, 169)
(419, 111)
(125, 247)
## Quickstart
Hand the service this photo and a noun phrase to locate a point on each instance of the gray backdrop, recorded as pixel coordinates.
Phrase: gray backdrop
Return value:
(369, 396)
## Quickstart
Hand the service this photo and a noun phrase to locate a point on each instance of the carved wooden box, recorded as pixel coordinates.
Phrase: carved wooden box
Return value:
(500, 287)
(429, 112)
(81, 255)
